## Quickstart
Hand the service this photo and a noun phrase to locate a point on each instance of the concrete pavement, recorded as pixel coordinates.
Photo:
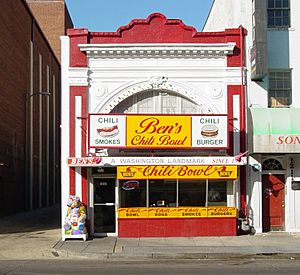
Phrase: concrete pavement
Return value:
(36, 235)
(271, 245)
(30, 235)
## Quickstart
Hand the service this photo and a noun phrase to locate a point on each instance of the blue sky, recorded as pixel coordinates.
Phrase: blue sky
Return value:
(109, 15)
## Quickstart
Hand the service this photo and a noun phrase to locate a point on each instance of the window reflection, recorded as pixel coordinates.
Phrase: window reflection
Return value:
(192, 192)
(162, 193)
(133, 193)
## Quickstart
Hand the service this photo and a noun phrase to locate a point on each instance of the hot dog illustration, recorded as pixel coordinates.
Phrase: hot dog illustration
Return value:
(108, 131)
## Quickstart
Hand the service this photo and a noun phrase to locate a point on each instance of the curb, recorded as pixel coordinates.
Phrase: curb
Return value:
(174, 256)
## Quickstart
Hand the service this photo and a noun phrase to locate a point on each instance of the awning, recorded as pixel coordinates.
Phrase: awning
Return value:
(274, 130)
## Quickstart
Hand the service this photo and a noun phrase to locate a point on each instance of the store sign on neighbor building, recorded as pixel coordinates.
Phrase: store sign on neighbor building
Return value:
(158, 131)
(276, 130)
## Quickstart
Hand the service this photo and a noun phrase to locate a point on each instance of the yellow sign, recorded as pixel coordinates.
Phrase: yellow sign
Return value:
(215, 212)
(162, 212)
(158, 131)
(177, 172)
(177, 212)
(192, 212)
(138, 212)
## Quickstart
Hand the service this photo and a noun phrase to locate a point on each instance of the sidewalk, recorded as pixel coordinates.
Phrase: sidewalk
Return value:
(30, 235)
(37, 234)
(272, 245)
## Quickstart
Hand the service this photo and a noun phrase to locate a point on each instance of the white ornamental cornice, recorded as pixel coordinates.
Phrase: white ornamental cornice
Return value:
(105, 51)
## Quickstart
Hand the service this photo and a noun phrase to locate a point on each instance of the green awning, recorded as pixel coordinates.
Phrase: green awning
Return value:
(274, 130)
(274, 121)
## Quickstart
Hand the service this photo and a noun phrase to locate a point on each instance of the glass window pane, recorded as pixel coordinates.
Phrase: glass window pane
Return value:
(270, 4)
(287, 85)
(188, 106)
(217, 193)
(285, 3)
(104, 219)
(132, 193)
(278, 4)
(271, 19)
(286, 20)
(279, 85)
(168, 103)
(162, 193)
(280, 89)
(192, 192)
(104, 190)
(145, 102)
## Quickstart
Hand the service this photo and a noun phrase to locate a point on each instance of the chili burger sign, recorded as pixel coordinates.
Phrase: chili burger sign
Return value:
(158, 131)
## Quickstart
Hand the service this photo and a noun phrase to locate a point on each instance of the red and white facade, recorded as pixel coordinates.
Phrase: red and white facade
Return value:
(155, 67)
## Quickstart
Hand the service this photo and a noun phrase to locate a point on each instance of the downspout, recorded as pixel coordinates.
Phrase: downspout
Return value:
(244, 118)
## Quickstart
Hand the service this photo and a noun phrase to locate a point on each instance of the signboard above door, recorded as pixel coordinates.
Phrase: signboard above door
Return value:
(158, 131)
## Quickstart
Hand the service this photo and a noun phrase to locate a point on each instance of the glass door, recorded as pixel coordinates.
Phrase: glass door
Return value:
(104, 206)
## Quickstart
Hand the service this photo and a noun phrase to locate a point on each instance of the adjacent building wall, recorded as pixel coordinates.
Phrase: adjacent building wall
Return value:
(29, 106)
(54, 18)
(282, 53)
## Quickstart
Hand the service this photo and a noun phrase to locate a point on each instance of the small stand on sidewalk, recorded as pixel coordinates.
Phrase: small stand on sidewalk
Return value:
(79, 236)
(75, 220)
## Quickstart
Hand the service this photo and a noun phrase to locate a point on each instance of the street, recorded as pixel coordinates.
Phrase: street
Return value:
(66, 266)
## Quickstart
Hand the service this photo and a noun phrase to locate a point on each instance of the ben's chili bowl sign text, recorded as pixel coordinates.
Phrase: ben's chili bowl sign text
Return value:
(175, 172)
(158, 131)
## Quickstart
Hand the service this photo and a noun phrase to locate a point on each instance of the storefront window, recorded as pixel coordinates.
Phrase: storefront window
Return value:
(173, 193)
(162, 193)
(217, 193)
(192, 193)
(132, 193)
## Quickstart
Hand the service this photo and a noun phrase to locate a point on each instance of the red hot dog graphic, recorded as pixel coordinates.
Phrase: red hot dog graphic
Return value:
(108, 131)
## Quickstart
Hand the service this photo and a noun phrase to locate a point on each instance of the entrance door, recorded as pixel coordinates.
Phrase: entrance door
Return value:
(104, 206)
(273, 202)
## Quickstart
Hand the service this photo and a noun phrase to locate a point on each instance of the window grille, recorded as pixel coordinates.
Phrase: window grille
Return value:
(280, 89)
(278, 13)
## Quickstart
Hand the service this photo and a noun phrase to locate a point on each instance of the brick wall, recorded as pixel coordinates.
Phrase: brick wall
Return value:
(17, 30)
(53, 17)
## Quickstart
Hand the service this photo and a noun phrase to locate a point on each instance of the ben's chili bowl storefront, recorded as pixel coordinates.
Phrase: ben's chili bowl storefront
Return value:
(161, 196)
(153, 116)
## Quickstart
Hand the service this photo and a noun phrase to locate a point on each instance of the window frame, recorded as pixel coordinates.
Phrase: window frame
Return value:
(272, 91)
(275, 10)
(209, 185)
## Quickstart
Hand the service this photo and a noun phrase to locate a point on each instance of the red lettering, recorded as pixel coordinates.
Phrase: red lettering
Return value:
(280, 140)
(148, 125)
(288, 140)
(152, 125)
